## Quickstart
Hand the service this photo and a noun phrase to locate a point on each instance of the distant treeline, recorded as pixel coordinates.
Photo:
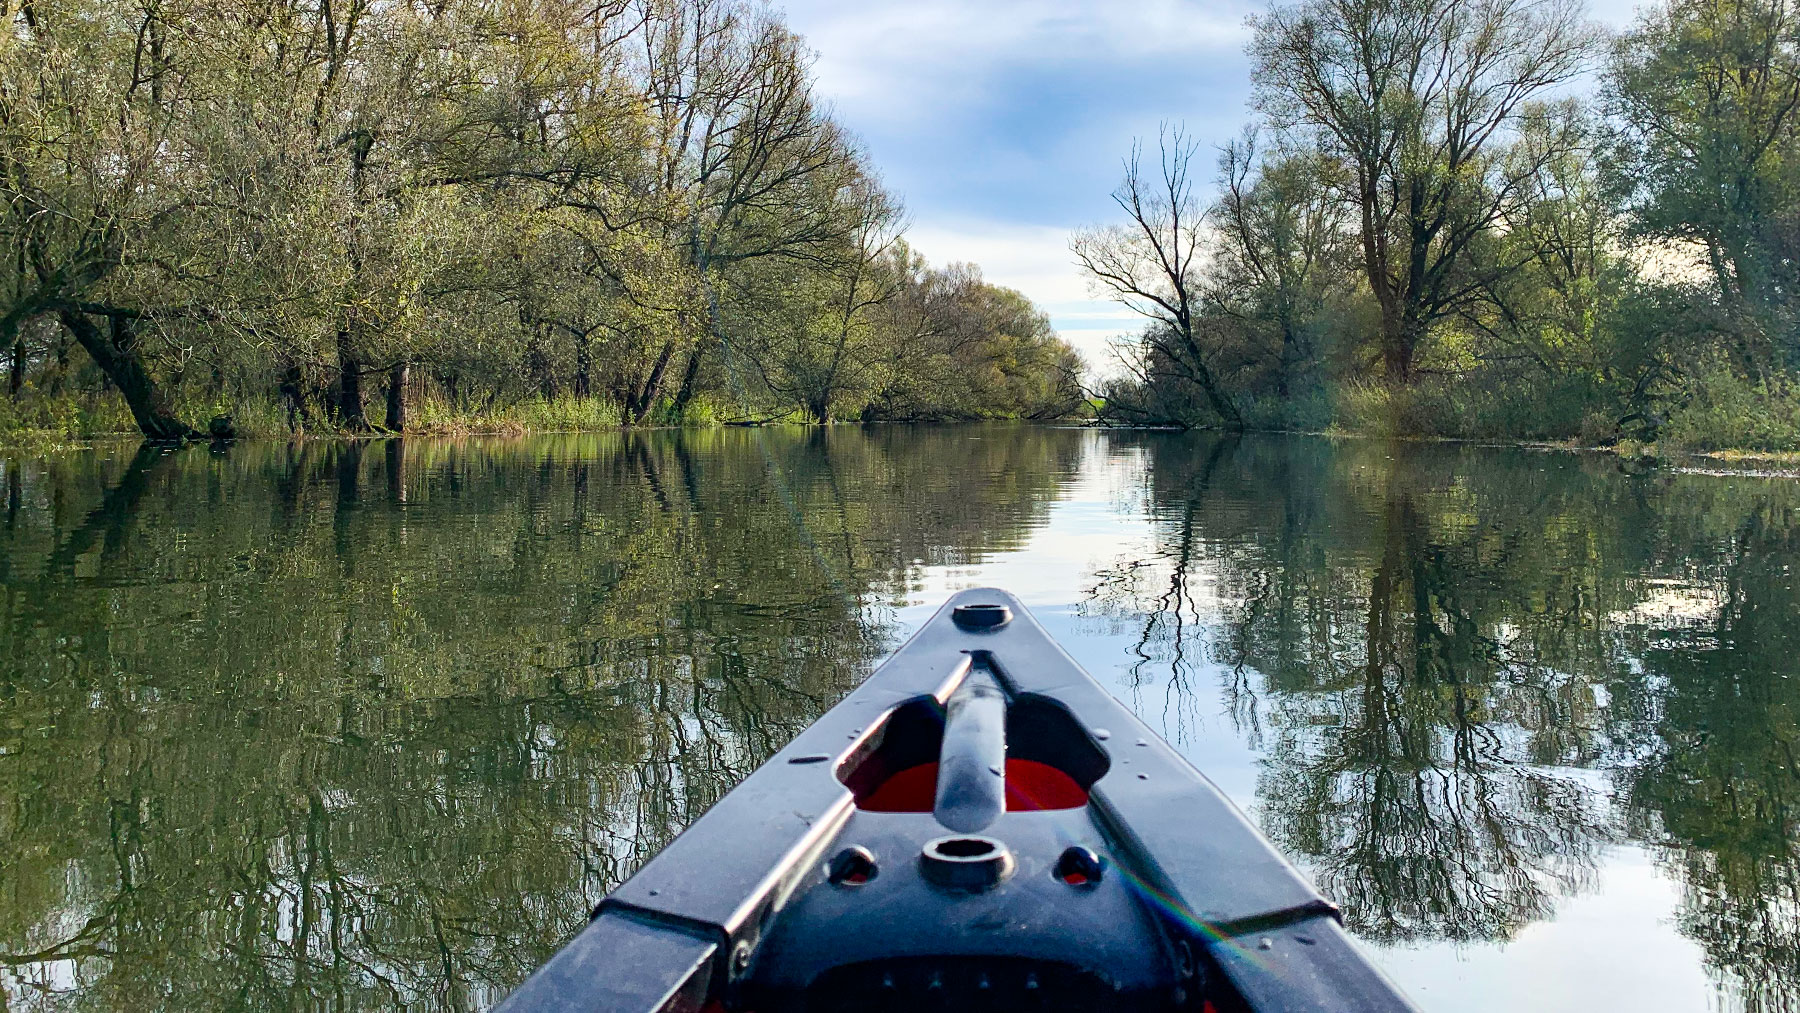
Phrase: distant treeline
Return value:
(346, 215)
(1423, 232)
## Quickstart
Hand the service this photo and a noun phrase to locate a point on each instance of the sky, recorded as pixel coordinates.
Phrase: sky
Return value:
(1004, 124)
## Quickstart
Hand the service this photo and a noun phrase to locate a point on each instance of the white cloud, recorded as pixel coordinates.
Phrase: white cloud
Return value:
(902, 61)
(1031, 258)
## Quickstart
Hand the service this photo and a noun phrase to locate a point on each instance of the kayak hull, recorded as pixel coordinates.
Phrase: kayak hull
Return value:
(1063, 857)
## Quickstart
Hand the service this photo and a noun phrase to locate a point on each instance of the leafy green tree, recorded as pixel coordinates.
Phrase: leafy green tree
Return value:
(475, 204)
(1705, 97)
(1283, 262)
(1417, 99)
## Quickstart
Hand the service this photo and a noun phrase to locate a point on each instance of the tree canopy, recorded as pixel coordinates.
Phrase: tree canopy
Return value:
(1484, 219)
(637, 205)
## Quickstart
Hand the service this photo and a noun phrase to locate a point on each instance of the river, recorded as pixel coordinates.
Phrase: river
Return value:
(354, 726)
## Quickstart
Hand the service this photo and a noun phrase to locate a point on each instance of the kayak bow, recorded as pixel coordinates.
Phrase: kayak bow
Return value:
(978, 826)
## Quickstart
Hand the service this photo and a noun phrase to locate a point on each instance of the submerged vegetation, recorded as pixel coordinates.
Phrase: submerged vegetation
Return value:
(341, 215)
(1423, 233)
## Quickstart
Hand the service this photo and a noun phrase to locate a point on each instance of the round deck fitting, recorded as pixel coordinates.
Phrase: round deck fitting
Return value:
(981, 617)
(965, 862)
(852, 866)
(1079, 866)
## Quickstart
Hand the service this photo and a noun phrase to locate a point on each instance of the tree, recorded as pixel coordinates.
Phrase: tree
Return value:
(1280, 262)
(1705, 97)
(1417, 99)
(833, 362)
(92, 102)
(747, 166)
(956, 346)
(495, 207)
(1557, 312)
(1151, 265)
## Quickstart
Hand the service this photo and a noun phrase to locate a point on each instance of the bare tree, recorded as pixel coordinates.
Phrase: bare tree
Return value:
(1151, 265)
(1417, 98)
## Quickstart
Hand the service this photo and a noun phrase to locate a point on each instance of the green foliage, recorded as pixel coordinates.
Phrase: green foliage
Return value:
(519, 212)
(1310, 411)
(561, 414)
(1725, 411)
(1490, 406)
(1377, 265)
(35, 417)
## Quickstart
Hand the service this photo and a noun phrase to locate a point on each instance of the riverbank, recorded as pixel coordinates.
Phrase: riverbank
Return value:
(1753, 429)
(57, 422)
(1631, 454)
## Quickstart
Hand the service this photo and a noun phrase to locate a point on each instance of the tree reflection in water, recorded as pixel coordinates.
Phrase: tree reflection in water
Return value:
(1433, 646)
(345, 725)
(1715, 725)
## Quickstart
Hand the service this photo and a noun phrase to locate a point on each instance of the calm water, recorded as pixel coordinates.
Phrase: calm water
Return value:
(343, 726)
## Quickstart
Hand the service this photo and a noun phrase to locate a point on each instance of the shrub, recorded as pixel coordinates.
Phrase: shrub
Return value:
(566, 414)
(1725, 411)
(71, 415)
(1477, 405)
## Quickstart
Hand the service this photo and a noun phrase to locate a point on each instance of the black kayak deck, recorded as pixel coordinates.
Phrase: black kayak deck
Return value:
(1068, 858)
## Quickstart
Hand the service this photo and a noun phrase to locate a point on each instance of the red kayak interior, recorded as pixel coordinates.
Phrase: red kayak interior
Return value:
(1030, 787)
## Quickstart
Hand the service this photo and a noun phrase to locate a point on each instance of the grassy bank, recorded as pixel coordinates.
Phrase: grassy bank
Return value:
(37, 420)
(1717, 413)
(1721, 415)
(40, 420)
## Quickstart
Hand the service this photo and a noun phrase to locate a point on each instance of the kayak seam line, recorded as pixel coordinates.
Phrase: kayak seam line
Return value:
(1275, 919)
(661, 919)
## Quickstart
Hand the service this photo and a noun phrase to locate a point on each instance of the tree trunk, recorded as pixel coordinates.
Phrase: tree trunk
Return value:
(59, 372)
(688, 375)
(639, 403)
(1223, 405)
(1290, 357)
(713, 330)
(584, 368)
(118, 358)
(15, 382)
(350, 396)
(15, 493)
(396, 396)
(293, 398)
(543, 374)
(1399, 342)
(1209, 384)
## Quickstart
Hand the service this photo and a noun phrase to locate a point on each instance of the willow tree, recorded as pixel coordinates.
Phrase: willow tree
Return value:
(748, 166)
(832, 360)
(1280, 262)
(1706, 98)
(93, 105)
(1419, 100)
